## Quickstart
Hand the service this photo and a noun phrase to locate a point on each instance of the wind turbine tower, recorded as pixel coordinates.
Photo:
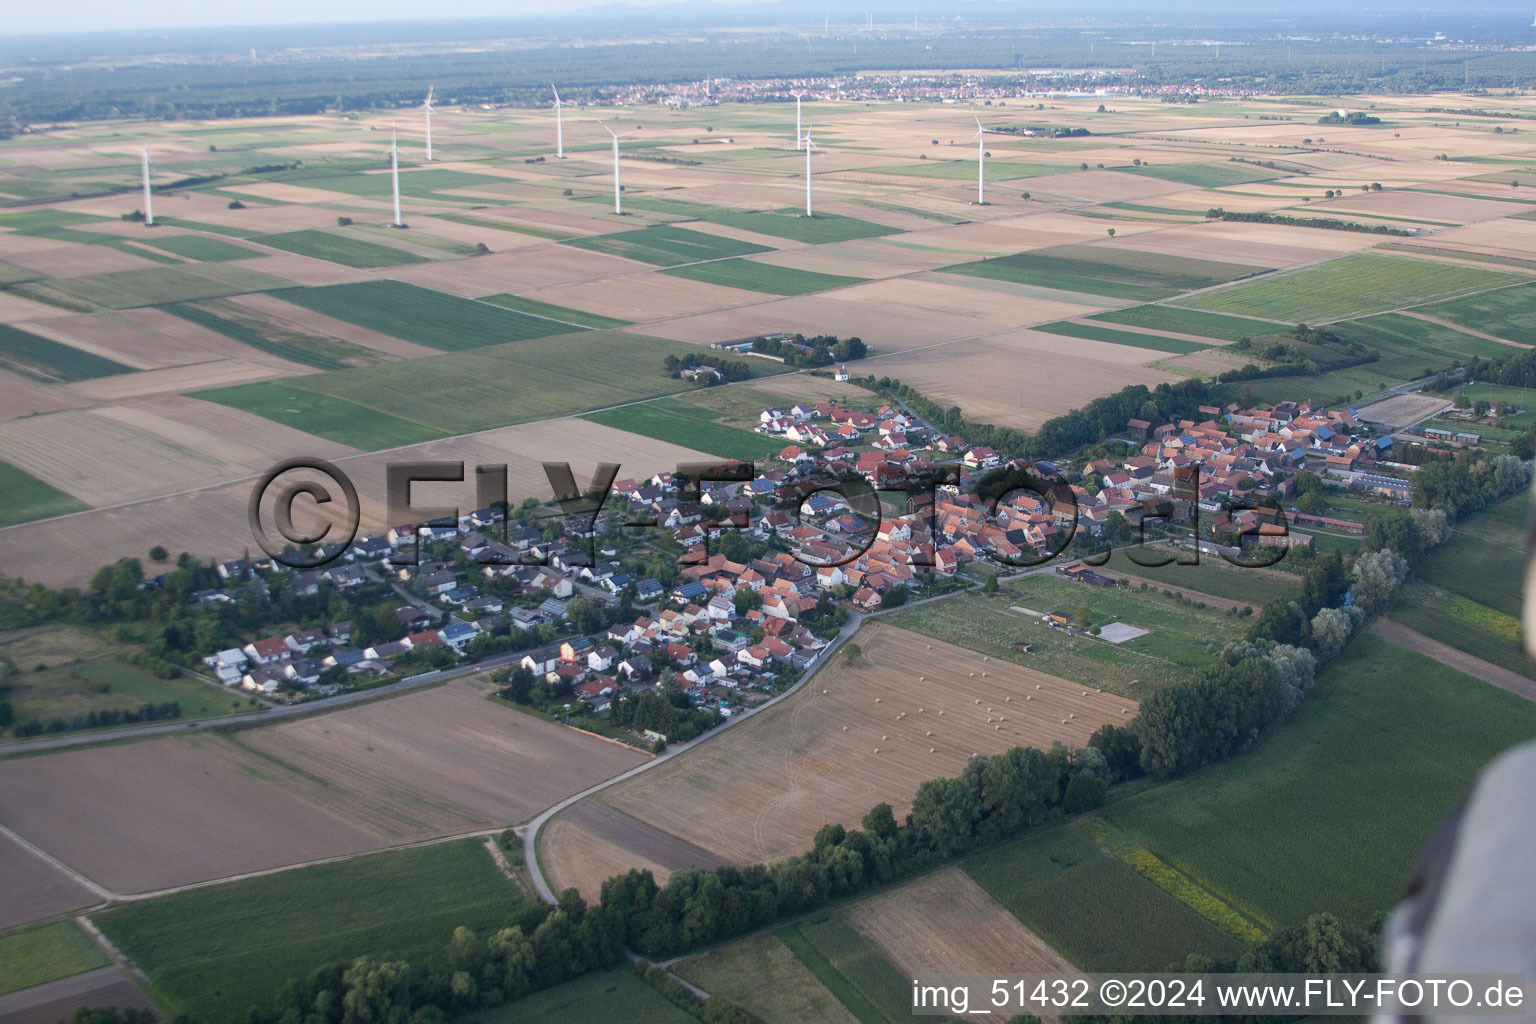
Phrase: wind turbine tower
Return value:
(559, 125)
(427, 108)
(394, 173)
(809, 145)
(798, 137)
(149, 208)
(981, 161)
(618, 206)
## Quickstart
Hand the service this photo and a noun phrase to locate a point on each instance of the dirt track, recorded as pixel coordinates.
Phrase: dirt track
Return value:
(1472, 665)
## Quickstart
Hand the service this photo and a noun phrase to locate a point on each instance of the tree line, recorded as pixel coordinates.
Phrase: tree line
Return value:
(1326, 223)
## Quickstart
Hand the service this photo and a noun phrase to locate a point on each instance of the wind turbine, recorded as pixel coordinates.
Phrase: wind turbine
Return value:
(149, 209)
(559, 125)
(981, 160)
(798, 136)
(427, 107)
(394, 173)
(618, 206)
(809, 145)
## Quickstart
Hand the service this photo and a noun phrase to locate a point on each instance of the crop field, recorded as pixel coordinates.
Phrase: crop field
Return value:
(170, 811)
(337, 247)
(1350, 286)
(23, 498)
(1204, 175)
(1330, 810)
(1485, 566)
(998, 169)
(46, 953)
(1155, 342)
(1100, 270)
(762, 277)
(416, 400)
(1410, 345)
(203, 250)
(1073, 895)
(1187, 321)
(574, 317)
(666, 246)
(421, 315)
(127, 289)
(851, 967)
(602, 996)
(945, 923)
(1464, 624)
(762, 976)
(764, 790)
(787, 223)
(1215, 576)
(42, 359)
(307, 350)
(36, 889)
(1182, 637)
(214, 952)
(323, 415)
(693, 426)
(1508, 313)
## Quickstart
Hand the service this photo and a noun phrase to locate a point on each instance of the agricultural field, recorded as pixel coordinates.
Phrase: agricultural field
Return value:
(850, 966)
(1178, 320)
(1102, 270)
(264, 336)
(1212, 575)
(574, 317)
(1330, 810)
(46, 953)
(787, 223)
(339, 247)
(201, 249)
(763, 976)
(1482, 560)
(680, 422)
(128, 289)
(48, 361)
(1154, 342)
(421, 315)
(1409, 344)
(1181, 636)
(216, 951)
(912, 709)
(666, 246)
(1069, 892)
(1347, 287)
(602, 996)
(1204, 175)
(761, 277)
(1508, 313)
(187, 808)
(24, 497)
(327, 416)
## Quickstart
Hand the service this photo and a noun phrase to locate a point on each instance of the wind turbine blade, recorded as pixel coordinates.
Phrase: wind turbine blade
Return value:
(556, 92)
(429, 94)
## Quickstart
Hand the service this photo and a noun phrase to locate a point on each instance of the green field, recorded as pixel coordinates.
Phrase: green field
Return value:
(1349, 286)
(574, 317)
(49, 361)
(786, 223)
(204, 250)
(1329, 811)
(1212, 575)
(335, 419)
(1484, 560)
(690, 426)
(46, 953)
(850, 967)
(762, 277)
(217, 951)
(1508, 313)
(1093, 908)
(158, 286)
(421, 315)
(338, 247)
(1149, 341)
(419, 184)
(666, 246)
(403, 402)
(763, 976)
(999, 169)
(307, 350)
(1188, 321)
(1409, 346)
(1204, 175)
(1464, 624)
(1102, 270)
(23, 498)
(603, 996)
(1181, 638)
(11, 274)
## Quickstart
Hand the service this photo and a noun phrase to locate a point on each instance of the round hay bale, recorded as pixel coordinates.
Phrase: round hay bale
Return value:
(823, 693)
(978, 700)
(1037, 686)
(920, 710)
(941, 712)
(877, 700)
(1008, 700)
(985, 658)
(884, 739)
(877, 750)
(928, 647)
(1085, 693)
(973, 675)
(998, 728)
(930, 732)
(922, 679)
(1029, 696)
(1063, 721)
(1125, 711)
(1072, 716)
(930, 750)
(845, 728)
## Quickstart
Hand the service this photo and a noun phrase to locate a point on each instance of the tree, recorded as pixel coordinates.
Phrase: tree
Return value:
(1330, 632)
(158, 553)
(852, 652)
(946, 811)
(1312, 503)
(880, 820)
(1111, 232)
(1377, 577)
(1082, 618)
(1395, 529)
(990, 586)
(1084, 793)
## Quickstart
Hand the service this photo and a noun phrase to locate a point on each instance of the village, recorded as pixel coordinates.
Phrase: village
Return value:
(718, 594)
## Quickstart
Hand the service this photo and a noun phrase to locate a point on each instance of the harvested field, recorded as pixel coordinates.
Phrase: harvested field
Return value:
(34, 888)
(945, 923)
(1401, 411)
(762, 976)
(763, 788)
(170, 811)
(21, 396)
(216, 373)
(575, 857)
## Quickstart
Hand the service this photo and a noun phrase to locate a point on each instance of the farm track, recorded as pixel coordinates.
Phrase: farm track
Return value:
(1447, 655)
